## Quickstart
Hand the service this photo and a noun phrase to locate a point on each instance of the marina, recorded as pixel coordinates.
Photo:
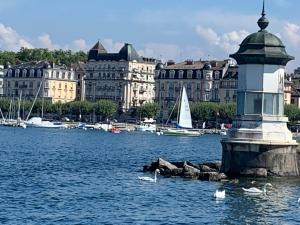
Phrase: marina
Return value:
(70, 176)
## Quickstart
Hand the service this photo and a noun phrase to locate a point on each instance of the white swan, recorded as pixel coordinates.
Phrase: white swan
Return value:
(219, 194)
(298, 200)
(256, 190)
(150, 179)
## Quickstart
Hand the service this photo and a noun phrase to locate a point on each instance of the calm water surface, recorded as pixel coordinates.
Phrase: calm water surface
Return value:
(90, 177)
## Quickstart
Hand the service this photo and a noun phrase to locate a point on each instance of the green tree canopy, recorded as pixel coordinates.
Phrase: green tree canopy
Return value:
(105, 108)
(148, 110)
(66, 57)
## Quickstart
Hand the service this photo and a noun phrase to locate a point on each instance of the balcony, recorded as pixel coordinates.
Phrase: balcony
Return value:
(143, 89)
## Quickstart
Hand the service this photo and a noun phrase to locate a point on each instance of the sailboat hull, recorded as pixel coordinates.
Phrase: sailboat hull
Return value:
(181, 132)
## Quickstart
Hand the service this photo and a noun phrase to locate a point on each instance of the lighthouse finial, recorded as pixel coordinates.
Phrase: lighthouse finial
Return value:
(263, 9)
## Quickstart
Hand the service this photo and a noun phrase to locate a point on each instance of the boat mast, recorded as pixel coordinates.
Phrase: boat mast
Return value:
(9, 111)
(172, 109)
(178, 110)
(2, 115)
(19, 105)
(34, 101)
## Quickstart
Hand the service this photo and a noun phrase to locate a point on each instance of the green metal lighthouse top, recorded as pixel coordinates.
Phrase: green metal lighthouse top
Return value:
(262, 47)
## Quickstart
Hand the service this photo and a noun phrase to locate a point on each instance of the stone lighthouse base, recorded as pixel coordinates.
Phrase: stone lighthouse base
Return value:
(260, 158)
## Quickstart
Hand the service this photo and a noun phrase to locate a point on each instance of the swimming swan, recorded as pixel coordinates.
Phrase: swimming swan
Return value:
(150, 179)
(219, 194)
(256, 190)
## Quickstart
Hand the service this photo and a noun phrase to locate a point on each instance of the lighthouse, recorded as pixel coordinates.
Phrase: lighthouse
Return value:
(259, 142)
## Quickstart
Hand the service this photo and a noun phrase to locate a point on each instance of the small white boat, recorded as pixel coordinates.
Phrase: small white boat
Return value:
(184, 121)
(38, 122)
(146, 127)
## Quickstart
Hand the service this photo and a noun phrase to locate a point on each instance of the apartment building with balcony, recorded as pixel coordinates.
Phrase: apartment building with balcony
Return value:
(202, 80)
(49, 81)
(124, 77)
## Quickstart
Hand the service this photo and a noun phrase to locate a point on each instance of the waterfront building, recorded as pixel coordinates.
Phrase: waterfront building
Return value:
(203, 81)
(50, 81)
(124, 77)
(259, 142)
(1, 80)
(288, 89)
(79, 70)
(228, 85)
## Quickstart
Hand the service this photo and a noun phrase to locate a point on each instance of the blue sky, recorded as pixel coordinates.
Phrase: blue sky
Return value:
(167, 29)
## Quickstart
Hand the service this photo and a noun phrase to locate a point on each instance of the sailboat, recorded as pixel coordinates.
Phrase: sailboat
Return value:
(14, 122)
(184, 120)
(38, 121)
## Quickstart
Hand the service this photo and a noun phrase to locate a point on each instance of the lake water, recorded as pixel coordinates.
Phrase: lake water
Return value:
(91, 177)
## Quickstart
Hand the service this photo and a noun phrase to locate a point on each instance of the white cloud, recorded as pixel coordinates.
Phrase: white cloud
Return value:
(166, 52)
(45, 41)
(292, 33)
(112, 46)
(79, 45)
(228, 42)
(209, 34)
(11, 40)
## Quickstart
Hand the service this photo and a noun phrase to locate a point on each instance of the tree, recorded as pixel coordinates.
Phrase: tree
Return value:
(148, 110)
(292, 112)
(105, 108)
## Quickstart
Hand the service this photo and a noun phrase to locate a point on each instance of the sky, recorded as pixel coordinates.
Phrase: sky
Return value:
(164, 29)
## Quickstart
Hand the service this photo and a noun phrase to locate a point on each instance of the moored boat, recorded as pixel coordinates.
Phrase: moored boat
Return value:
(184, 121)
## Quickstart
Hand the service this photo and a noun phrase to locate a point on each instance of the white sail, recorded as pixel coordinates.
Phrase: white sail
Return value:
(185, 120)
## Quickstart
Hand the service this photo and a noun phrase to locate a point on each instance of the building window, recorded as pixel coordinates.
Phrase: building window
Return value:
(24, 73)
(199, 74)
(17, 72)
(217, 75)
(172, 74)
(163, 74)
(190, 74)
(39, 73)
(180, 75)
(31, 72)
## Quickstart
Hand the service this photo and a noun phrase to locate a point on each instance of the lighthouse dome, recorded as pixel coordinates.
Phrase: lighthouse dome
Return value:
(262, 47)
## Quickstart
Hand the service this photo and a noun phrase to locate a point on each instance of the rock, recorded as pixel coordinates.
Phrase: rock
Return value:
(190, 172)
(177, 172)
(211, 176)
(150, 168)
(204, 168)
(165, 164)
(146, 168)
(193, 165)
(255, 172)
(216, 165)
(178, 164)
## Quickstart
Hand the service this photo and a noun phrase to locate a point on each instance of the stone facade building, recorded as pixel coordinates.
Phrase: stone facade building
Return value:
(1, 80)
(124, 77)
(50, 81)
(79, 69)
(203, 80)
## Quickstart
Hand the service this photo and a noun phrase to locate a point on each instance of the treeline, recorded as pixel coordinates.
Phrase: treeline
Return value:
(77, 110)
(60, 56)
(210, 111)
(107, 109)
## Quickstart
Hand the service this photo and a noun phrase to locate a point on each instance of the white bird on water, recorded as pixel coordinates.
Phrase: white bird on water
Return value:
(150, 179)
(256, 190)
(298, 200)
(219, 194)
